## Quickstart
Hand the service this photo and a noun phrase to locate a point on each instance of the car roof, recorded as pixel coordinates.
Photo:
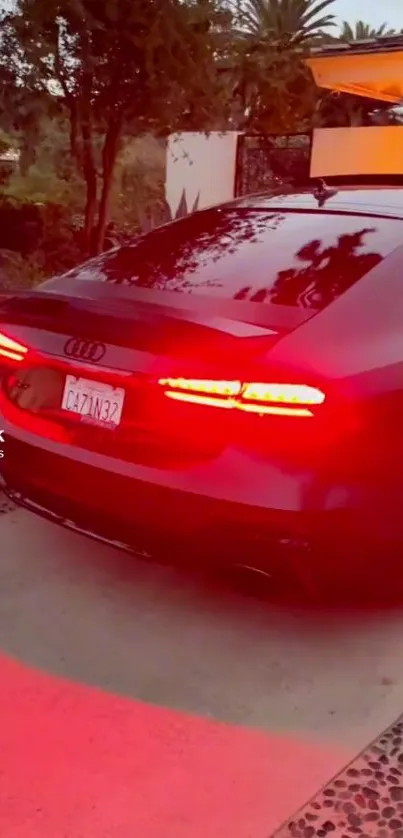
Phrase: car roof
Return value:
(381, 201)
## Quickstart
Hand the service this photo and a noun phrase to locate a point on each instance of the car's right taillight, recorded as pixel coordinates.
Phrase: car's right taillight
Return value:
(280, 399)
(275, 398)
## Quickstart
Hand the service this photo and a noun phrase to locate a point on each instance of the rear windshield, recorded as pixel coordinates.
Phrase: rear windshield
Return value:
(297, 259)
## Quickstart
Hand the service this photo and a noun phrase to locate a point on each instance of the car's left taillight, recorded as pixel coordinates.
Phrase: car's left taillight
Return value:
(11, 349)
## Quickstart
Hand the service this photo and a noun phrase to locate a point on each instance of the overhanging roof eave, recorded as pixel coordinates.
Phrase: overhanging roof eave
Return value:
(374, 73)
(382, 44)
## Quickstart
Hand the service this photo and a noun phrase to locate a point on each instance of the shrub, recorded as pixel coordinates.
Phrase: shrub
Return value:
(36, 241)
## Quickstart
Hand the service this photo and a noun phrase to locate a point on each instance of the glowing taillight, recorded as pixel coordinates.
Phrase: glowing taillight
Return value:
(274, 410)
(262, 398)
(283, 393)
(196, 398)
(12, 349)
(201, 385)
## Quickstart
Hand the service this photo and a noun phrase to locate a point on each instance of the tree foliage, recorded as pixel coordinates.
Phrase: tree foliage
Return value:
(82, 80)
(295, 20)
(275, 93)
(139, 189)
(360, 31)
(274, 90)
(50, 174)
(117, 67)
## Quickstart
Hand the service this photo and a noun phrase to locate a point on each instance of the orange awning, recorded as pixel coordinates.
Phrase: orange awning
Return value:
(373, 73)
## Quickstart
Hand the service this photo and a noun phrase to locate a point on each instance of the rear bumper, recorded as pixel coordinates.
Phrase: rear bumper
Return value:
(145, 517)
(161, 521)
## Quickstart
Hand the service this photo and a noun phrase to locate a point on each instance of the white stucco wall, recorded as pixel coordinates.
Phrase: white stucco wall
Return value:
(201, 167)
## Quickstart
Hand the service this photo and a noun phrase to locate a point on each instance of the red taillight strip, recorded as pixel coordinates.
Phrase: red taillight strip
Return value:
(283, 393)
(13, 356)
(203, 385)
(195, 398)
(274, 410)
(278, 399)
(11, 349)
(231, 404)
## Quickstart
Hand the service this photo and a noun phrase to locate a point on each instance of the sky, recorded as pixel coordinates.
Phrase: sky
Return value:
(370, 11)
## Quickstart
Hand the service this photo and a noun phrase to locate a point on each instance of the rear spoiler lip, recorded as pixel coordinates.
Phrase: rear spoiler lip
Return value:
(197, 308)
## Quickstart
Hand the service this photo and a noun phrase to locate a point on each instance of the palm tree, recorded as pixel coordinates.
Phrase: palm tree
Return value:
(295, 20)
(360, 31)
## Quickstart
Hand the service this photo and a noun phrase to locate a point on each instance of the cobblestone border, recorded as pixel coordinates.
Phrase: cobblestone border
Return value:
(6, 505)
(364, 801)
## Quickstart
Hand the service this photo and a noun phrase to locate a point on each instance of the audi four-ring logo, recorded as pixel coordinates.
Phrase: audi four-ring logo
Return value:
(84, 350)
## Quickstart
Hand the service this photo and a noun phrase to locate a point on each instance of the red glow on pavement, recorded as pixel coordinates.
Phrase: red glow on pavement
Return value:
(79, 763)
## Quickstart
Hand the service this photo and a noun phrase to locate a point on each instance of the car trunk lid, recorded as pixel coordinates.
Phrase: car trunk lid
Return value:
(105, 354)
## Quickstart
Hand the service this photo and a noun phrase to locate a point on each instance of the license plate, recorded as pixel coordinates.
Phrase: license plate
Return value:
(93, 401)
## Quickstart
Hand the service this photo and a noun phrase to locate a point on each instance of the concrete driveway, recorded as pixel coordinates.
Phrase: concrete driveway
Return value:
(140, 702)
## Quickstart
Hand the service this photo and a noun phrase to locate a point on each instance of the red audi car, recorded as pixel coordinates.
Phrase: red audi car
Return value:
(227, 388)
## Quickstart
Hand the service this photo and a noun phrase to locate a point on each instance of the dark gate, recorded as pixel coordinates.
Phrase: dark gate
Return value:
(268, 161)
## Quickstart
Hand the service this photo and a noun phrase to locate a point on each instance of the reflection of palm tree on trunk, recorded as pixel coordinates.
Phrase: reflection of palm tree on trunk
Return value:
(175, 256)
(327, 273)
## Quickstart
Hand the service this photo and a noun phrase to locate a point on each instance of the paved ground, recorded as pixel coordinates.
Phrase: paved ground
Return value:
(137, 702)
